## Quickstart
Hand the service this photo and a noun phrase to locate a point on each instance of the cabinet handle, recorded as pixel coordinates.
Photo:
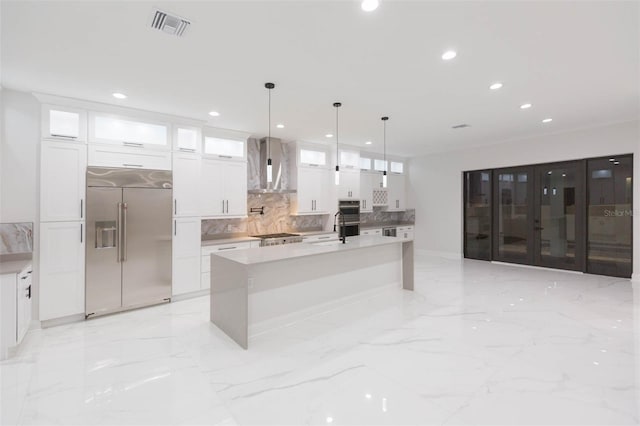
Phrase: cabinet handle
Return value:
(29, 292)
(64, 136)
(175, 227)
(227, 206)
(222, 206)
(81, 208)
(132, 165)
(225, 156)
(187, 149)
(175, 206)
(132, 144)
(80, 233)
(226, 248)
(312, 165)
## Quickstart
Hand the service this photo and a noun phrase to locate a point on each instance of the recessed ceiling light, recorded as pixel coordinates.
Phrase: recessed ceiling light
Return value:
(280, 126)
(214, 113)
(495, 86)
(564, 175)
(119, 95)
(328, 135)
(525, 106)
(547, 120)
(368, 143)
(616, 162)
(369, 5)
(612, 159)
(449, 54)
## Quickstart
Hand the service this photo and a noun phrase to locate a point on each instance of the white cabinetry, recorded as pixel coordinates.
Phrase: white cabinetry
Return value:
(186, 184)
(312, 195)
(396, 192)
(128, 131)
(349, 186)
(64, 123)
(376, 231)
(15, 308)
(405, 232)
(333, 236)
(223, 190)
(187, 139)
(367, 183)
(62, 181)
(205, 261)
(186, 255)
(61, 269)
(128, 157)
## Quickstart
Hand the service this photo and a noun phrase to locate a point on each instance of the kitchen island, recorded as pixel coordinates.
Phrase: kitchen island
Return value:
(257, 289)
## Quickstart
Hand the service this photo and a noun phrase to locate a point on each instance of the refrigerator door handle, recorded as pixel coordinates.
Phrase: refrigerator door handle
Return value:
(118, 233)
(124, 232)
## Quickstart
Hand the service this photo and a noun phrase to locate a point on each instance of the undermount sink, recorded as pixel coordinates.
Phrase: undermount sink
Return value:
(329, 243)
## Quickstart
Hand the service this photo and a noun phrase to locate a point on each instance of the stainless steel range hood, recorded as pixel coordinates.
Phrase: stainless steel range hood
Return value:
(278, 162)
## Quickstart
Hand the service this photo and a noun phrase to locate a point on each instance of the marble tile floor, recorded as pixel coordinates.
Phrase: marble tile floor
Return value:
(476, 343)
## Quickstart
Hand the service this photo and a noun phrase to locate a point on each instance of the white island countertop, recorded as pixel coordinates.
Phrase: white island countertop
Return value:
(254, 256)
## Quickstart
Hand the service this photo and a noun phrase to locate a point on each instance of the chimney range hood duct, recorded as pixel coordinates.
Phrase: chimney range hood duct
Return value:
(278, 162)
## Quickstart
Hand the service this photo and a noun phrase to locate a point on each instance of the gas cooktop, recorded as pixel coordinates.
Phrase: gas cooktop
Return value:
(281, 235)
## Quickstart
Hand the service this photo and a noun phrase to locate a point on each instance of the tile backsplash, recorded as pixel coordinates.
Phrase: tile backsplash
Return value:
(16, 238)
(275, 219)
(380, 216)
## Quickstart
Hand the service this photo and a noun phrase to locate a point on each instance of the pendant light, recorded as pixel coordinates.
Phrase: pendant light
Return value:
(269, 86)
(384, 150)
(337, 105)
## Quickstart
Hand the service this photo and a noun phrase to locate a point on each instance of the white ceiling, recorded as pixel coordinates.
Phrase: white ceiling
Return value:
(577, 62)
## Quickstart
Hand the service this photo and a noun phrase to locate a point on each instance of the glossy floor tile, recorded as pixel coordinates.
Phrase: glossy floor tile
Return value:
(476, 343)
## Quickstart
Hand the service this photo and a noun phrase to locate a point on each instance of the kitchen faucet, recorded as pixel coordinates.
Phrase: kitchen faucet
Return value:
(343, 227)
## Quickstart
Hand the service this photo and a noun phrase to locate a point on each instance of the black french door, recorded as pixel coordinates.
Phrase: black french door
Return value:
(538, 215)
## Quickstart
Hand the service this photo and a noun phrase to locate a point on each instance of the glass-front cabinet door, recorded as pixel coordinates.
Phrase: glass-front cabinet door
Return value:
(559, 220)
(513, 215)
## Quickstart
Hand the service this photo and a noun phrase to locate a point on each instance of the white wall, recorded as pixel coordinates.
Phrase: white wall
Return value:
(19, 156)
(435, 180)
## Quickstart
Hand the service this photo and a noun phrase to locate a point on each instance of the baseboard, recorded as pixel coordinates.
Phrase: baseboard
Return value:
(635, 280)
(192, 295)
(542, 268)
(61, 321)
(440, 253)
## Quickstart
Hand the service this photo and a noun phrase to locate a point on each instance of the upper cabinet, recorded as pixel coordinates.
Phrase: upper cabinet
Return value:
(187, 139)
(62, 181)
(365, 164)
(311, 155)
(396, 167)
(223, 188)
(313, 194)
(396, 193)
(349, 159)
(186, 184)
(228, 149)
(349, 186)
(64, 123)
(380, 165)
(128, 131)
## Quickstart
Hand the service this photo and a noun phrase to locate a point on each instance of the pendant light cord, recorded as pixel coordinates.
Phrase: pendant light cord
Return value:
(337, 139)
(269, 140)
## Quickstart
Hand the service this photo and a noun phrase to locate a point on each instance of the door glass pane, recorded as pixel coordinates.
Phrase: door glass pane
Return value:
(557, 215)
(610, 216)
(477, 198)
(513, 206)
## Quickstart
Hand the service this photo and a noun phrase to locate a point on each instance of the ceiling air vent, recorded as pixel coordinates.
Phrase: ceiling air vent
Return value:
(460, 126)
(170, 24)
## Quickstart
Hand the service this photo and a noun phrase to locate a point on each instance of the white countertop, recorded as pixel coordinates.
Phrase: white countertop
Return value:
(289, 251)
(219, 241)
(14, 266)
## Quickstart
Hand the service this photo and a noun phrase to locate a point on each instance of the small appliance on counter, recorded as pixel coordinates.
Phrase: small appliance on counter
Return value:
(267, 240)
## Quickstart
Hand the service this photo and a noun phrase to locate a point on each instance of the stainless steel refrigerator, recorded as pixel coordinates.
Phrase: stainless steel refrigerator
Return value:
(128, 250)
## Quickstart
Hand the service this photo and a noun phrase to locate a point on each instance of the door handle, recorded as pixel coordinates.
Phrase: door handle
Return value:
(124, 232)
(119, 233)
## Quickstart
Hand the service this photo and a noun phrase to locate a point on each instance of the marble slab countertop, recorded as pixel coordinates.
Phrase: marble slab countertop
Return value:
(14, 263)
(254, 256)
